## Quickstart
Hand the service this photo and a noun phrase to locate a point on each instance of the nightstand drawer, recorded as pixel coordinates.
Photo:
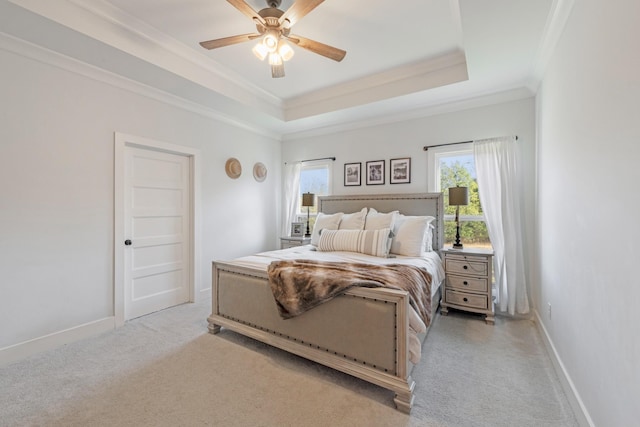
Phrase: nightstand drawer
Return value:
(461, 266)
(292, 242)
(473, 284)
(467, 300)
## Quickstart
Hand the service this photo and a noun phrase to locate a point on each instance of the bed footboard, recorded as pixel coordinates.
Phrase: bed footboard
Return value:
(363, 332)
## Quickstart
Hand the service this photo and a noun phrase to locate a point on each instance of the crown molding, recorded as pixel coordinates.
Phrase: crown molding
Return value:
(104, 22)
(348, 106)
(37, 53)
(481, 99)
(554, 27)
(443, 70)
(40, 54)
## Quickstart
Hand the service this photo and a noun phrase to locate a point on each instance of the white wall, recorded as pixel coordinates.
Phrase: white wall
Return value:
(56, 190)
(588, 158)
(407, 139)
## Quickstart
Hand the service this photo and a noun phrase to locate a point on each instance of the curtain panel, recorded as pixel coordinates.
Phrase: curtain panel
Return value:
(290, 198)
(498, 185)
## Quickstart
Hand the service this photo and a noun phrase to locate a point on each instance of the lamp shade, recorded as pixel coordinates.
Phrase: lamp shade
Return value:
(285, 51)
(260, 51)
(308, 199)
(458, 196)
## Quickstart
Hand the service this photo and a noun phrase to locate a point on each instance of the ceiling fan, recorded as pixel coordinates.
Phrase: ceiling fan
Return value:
(274, 26)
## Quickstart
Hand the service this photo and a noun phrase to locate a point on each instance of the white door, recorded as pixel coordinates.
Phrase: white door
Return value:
(156, 229)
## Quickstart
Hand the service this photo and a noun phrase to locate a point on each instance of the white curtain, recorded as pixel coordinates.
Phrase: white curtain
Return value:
(290, 198)
(499, 189)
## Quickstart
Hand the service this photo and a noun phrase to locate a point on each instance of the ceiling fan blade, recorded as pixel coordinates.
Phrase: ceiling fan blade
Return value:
(243, 7)
(226, 41)
(298, 10)
(317, 47)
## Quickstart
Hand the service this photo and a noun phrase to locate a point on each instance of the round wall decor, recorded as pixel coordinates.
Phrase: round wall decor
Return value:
(233, 168)
(259, 172)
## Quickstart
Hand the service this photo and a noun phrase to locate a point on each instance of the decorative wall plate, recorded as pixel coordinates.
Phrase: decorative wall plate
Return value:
(259, 172)
(233, 168)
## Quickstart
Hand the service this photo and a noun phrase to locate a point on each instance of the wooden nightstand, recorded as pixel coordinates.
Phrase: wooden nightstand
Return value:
(290, 242)
(468, 280)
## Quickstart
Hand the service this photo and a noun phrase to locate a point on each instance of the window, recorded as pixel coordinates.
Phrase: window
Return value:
(315, 177)
(455, 165)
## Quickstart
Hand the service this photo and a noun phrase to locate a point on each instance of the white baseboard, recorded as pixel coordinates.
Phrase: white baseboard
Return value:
(27, 348)
(579, 410)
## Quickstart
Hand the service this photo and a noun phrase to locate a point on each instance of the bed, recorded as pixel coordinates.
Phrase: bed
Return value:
(364, 332)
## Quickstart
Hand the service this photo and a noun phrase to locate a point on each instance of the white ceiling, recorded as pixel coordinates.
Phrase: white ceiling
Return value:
(401, 56)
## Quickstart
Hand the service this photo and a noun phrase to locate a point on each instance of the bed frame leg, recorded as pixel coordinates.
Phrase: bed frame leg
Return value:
(213, 328)
(404, 399)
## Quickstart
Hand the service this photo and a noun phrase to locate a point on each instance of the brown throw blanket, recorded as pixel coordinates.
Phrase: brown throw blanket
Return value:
(299, 285)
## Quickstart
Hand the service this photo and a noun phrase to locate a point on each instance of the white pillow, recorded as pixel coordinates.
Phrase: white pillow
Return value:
(428, 243)
(410, 235)
(324, 222)
(376, 220)
(370, 242)
(353, 221)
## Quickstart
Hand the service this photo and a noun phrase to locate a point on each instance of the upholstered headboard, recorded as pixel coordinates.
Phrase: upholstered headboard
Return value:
(408, 204)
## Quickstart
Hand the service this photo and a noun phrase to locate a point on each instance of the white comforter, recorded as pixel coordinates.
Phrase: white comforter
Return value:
(430, 261)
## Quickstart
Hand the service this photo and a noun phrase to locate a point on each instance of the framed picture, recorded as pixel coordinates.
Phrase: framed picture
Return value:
(297, 229)
(375, 172)
(352, 174)
(400, 171)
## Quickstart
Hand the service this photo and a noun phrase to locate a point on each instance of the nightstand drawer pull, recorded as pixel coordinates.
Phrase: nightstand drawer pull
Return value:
(465, 299)
(465, 267)
(465, 283)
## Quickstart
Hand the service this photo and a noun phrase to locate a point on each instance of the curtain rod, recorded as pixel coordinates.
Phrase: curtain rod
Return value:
(426, 147)
(313, 160)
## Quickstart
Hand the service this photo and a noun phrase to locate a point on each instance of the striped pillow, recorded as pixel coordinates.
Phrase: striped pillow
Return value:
(370, 242)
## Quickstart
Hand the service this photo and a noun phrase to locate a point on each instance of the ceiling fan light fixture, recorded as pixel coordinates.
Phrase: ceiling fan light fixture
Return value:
(270, 41)
(273, 26)
(260, 51)
(285, 50)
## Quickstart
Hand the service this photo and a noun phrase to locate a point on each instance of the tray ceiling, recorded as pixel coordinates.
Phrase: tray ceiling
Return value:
(401, 56)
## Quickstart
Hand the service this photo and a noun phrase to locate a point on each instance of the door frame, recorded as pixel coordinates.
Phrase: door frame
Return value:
(121, 142)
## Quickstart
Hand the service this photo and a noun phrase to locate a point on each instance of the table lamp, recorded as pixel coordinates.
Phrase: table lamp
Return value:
(458, 196)
(308, 200)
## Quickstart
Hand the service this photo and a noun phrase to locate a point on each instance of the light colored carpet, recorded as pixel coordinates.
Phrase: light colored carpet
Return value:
(166, 370)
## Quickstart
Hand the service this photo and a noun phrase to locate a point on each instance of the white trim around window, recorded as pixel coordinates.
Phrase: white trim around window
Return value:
(433, 175)
(316, 164)
(433, 162)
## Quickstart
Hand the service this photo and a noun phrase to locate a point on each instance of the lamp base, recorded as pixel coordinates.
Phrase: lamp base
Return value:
(308, 233)
(457, 244)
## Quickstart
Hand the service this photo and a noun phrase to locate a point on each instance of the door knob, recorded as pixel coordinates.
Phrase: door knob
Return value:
(127, 242)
